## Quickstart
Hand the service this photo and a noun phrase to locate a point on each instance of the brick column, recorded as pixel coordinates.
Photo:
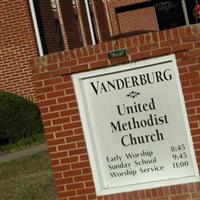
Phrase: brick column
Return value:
(69, 23)
(60, 114)
(101, 20)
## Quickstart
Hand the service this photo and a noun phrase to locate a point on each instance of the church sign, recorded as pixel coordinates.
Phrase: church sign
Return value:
(135, 125)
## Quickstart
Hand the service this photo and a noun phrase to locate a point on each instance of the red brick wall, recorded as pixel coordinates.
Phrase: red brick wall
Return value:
(112, 4)
(17, 47)
(138, 20)
(66, 144)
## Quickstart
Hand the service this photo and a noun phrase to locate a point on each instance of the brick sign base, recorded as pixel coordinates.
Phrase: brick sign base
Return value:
(63, 129)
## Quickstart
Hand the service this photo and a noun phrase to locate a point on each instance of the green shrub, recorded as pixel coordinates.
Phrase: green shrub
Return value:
(19, 118)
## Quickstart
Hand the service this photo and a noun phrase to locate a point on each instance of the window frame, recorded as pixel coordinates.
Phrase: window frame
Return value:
(152, 4)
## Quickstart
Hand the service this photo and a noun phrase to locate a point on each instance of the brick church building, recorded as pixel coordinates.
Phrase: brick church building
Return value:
(32, 28)
(44, 43)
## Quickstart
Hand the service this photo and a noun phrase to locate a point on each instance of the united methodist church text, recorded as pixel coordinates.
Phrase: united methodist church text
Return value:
(128, 118)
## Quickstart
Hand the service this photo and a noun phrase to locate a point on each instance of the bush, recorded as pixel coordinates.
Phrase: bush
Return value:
(19, 118)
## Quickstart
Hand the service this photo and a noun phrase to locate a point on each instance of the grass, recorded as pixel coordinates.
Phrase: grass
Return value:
(23, 143)
(28, 178)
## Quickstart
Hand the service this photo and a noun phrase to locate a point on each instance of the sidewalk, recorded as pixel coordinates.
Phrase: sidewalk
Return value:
(23, 153)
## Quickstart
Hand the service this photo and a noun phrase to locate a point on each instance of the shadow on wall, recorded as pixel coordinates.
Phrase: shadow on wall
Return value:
(128, 34)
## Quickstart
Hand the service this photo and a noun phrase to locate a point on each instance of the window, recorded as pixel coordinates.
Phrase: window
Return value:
(190, 4)
(84, 22)
(169, 13)
(47, 26)
(61, 24)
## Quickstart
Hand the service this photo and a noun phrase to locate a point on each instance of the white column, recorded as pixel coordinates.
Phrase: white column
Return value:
(185, 12)
(35, 24)
(90, 22)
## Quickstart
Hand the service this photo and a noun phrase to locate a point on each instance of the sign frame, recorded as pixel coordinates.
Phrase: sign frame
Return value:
(100, 186)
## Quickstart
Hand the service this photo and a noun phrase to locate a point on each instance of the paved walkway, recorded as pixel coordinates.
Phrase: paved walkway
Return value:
(23, 153)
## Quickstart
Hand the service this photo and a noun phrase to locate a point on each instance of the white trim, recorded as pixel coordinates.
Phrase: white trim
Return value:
(35, 24)
(100, 184)
(185, 12)
(90, 22)
(96, 21)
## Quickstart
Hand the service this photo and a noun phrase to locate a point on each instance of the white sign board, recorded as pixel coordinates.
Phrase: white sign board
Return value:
(136, 127)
